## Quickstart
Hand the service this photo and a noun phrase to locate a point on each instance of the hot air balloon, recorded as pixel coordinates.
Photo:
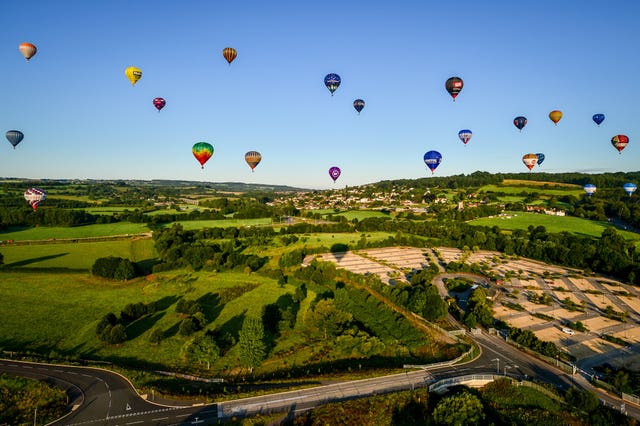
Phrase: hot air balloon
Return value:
(465, 135)
(133, 74)
(555, 116)
(520, 122)
(530, 160)
(629, 188)
(202, 151)
(334, 172)
(590, 189)
(598, 118)
(358, 104)
(28, 50)
(159, 103)
(253, 158)
(14, 137)
(229, 54)
(332, 81)
(35, 196)
(619, 142)
(454, 86)
(432, 159)
(540, 157)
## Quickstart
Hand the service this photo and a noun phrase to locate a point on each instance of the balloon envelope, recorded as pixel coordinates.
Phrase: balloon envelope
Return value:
(520, 122)
(629, 188)
(332, 81)
(253, 158)
(540, 157)
(28, 50)
(620, 142)
(530, 160)
(555, 115)
(14, 137)
(598, 118)
(334, 172)
(465, 135)
(432, 159)
(589, 189)
(454, 86)
(202, 151)
(358, 104)
(159, 103)
(229, 54)
(35, 196)
(133, 74)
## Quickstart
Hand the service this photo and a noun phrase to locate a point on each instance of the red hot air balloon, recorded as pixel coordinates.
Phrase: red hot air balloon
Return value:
(159, 103)
(620, 142)
(35, 196)
(454, 86)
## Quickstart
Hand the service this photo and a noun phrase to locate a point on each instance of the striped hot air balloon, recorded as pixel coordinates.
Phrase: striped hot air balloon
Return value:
(28, 50)
(35, 196)
(229, 54)
(253, 158)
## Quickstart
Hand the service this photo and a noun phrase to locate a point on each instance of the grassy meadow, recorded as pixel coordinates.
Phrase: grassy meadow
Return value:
(85, 231)
(76, 255)
(512, 189)
(222, 223)
(575, 225)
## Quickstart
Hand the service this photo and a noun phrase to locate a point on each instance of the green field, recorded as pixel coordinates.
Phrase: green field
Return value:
(361, 214)
(575, 225)
(75, 255)
(85, 231)
(223, 223)
(515, 190)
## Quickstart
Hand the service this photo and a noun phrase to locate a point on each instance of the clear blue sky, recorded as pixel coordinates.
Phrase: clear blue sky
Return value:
(82, 118)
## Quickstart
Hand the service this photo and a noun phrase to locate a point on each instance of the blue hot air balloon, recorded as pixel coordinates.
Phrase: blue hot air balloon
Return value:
(598, 118)
(432, 159)
(629, 188)
(540, 157)
(14, 137)
(520, 122)
(465, 135)
(332, 81)
(590, 189)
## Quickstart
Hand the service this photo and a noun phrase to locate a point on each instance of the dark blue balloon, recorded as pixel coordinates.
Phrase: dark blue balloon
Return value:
(432, 159)
(14, 137)
(540, 157)
(332, 81)
(598, 118)
(520, 122)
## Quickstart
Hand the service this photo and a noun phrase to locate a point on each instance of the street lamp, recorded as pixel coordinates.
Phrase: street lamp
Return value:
(497, 360)
(507, 367)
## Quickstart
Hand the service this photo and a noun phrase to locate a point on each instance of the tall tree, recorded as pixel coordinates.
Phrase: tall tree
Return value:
(202, 349)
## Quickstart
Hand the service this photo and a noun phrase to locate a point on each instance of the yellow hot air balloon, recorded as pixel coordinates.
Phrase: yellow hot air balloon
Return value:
(229, 54)
(555, 116)
(133, 74)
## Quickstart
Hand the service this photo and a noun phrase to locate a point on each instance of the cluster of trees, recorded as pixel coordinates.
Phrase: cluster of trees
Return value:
(115, 268)
(194, 317)
(528, 339)
(479, 309)
(111, 329)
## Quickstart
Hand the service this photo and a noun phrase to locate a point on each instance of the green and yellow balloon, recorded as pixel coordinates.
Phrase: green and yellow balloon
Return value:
(202, 151)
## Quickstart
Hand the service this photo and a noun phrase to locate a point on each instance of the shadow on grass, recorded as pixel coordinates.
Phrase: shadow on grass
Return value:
(35, 260)
(138, 327)
(145, 267)
(228, 334)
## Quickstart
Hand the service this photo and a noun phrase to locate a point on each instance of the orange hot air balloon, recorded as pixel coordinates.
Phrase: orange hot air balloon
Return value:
(253, 158)
(229, 54)
(202, 151)
(28, 50)
(530, 160)
(555, 116)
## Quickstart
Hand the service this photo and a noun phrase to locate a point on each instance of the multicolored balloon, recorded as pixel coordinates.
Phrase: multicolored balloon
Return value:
(159, 103)
(590, 189)
(202, 151)
(229, 54)
(35, 196)
(432, 159)
(253, 158)
(454, 86)
(465, 135)
(14, 137)
(133, 74)
(540, 157)
(358, 104)
(28, 50)
(598, 118)
(520, 122)
(620, 142)
(334, 172)
(629, 188)
(530, 160)
(332, 81)
(555, 116)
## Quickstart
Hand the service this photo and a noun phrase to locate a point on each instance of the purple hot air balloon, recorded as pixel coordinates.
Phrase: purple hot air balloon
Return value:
(159, 103)
(334, 172)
